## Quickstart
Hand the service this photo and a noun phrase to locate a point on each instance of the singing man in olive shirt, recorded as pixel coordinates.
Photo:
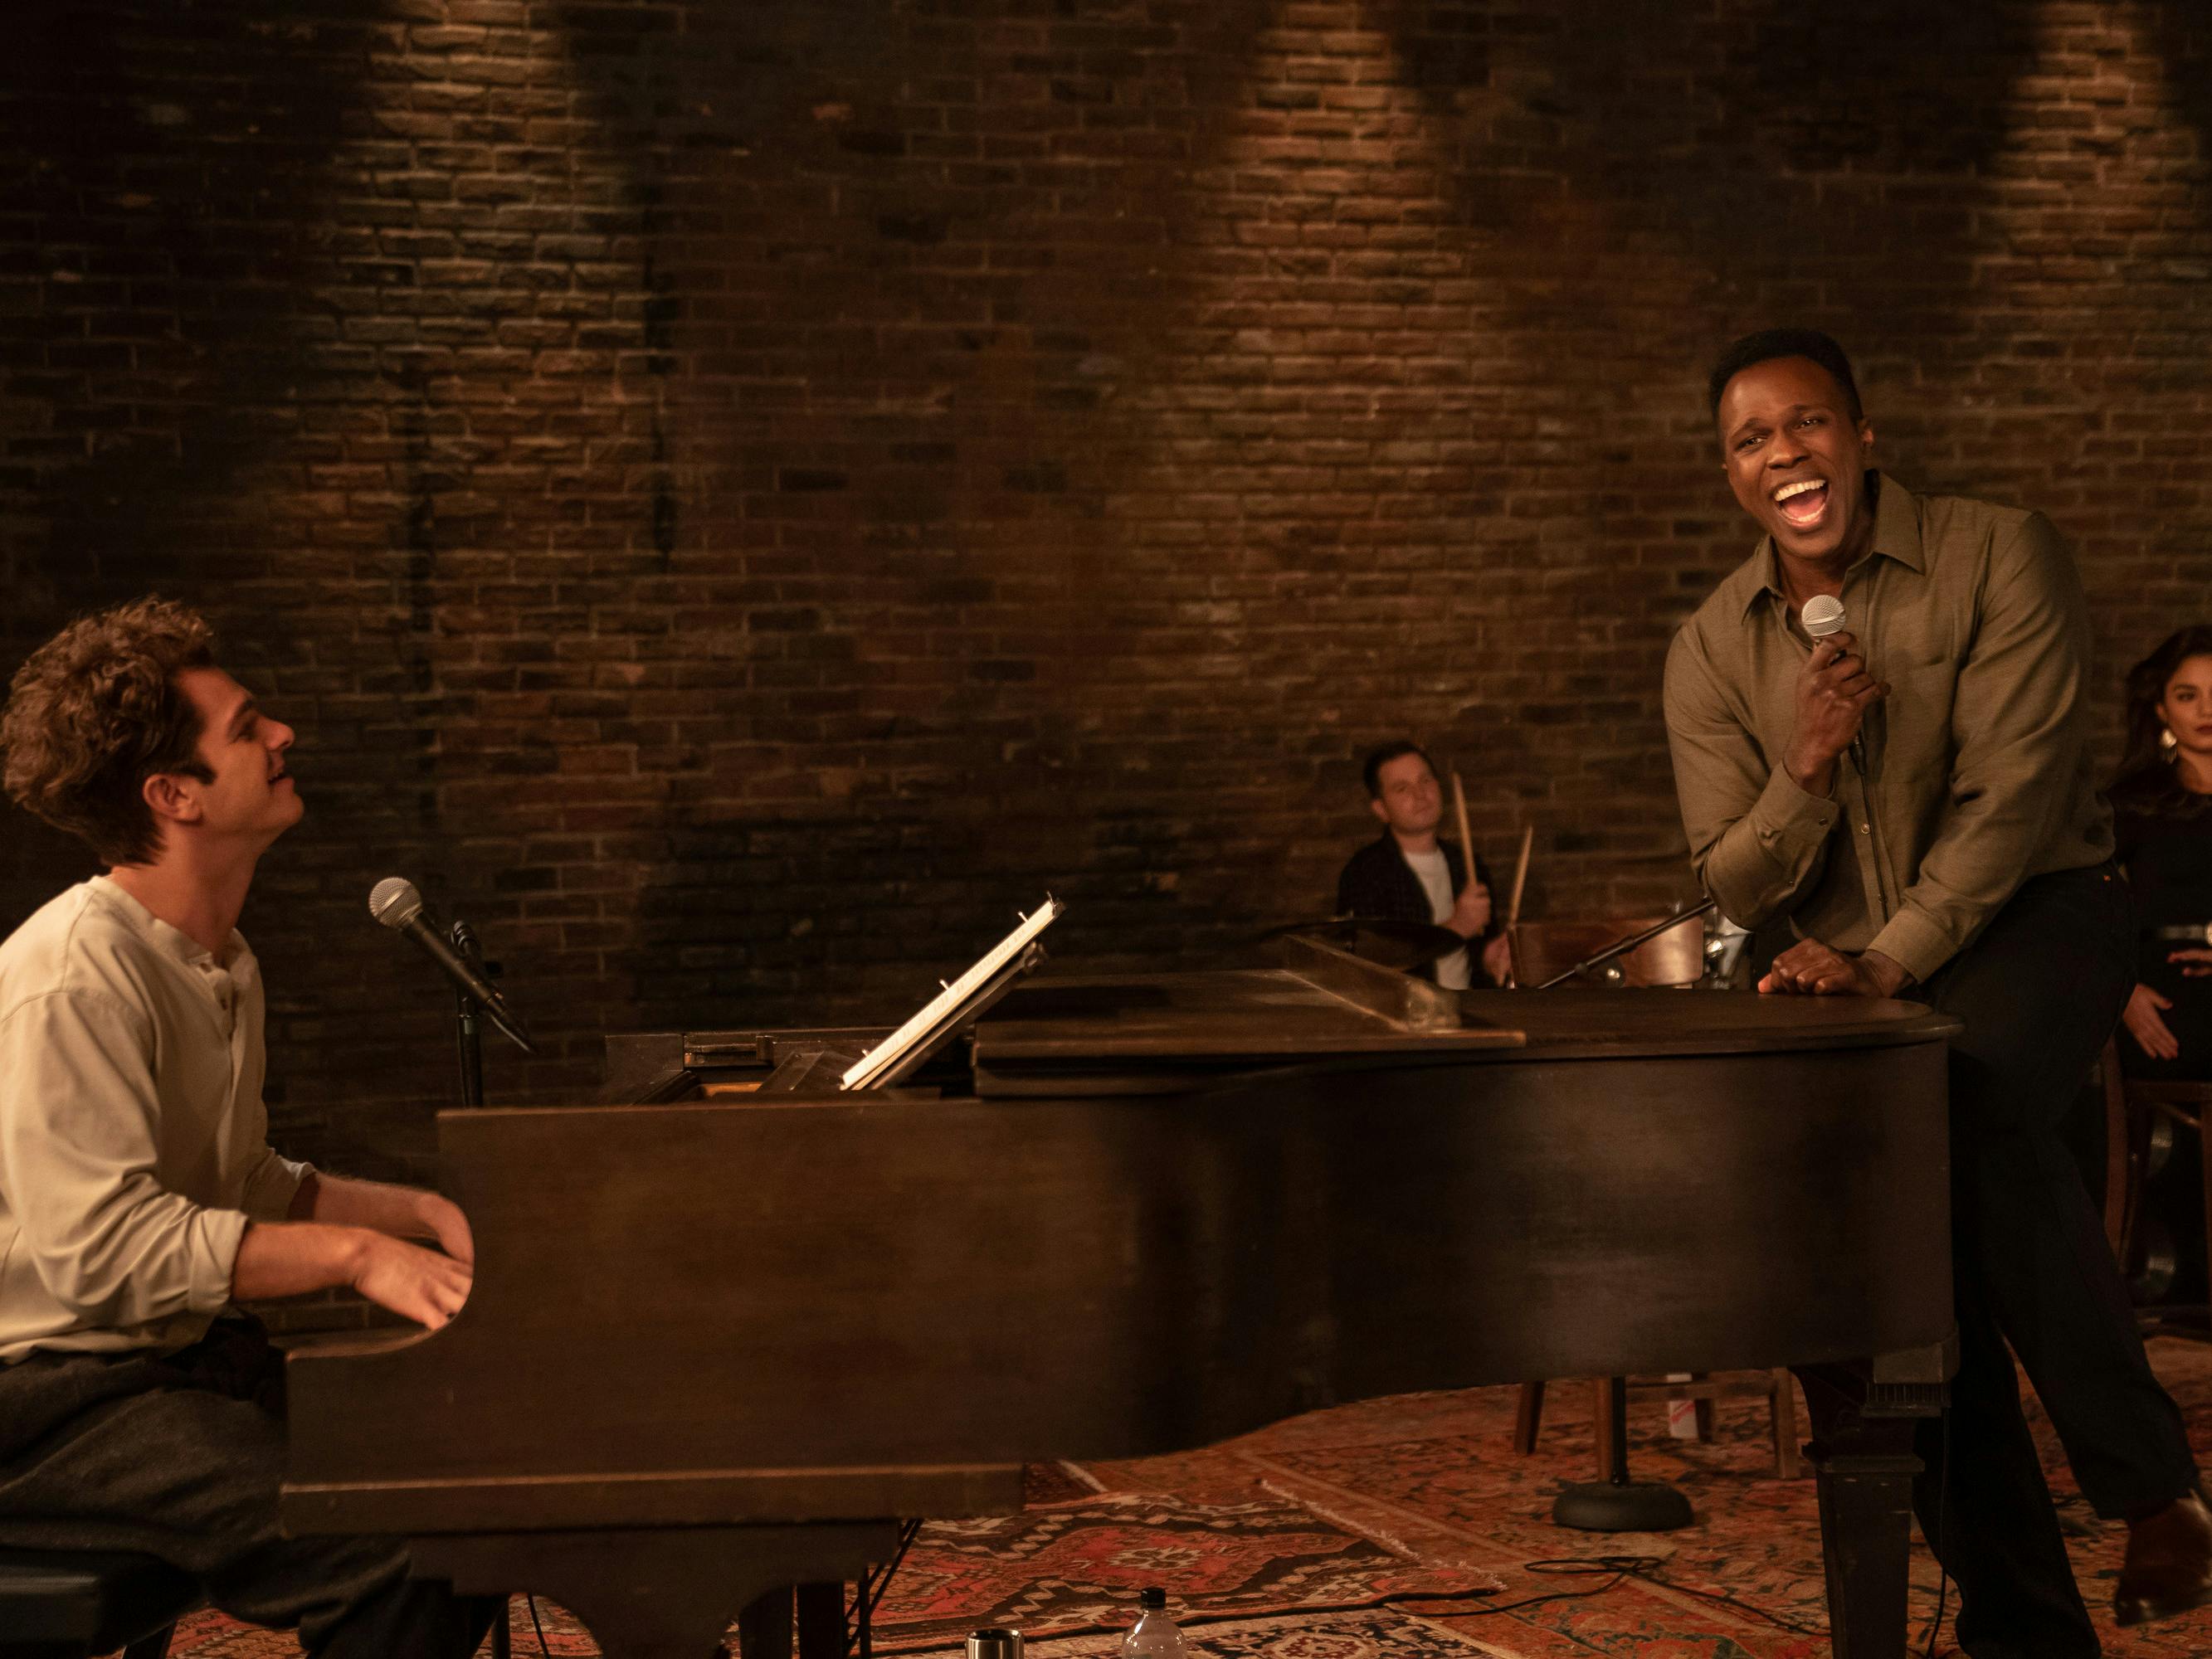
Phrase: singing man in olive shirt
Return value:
(139, 1193)
(1915, 795)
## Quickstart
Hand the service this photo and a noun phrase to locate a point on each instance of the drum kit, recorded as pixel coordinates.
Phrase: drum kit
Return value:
(1693, 949)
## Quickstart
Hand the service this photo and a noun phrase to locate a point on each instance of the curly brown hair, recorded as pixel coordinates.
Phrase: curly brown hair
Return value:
(95, 712)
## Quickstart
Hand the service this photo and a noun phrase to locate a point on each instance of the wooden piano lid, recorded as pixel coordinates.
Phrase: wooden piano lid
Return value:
(1248, 1013)
(1321, 1003)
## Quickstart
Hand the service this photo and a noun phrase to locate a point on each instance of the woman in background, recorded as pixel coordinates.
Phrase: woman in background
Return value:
(2162, 820)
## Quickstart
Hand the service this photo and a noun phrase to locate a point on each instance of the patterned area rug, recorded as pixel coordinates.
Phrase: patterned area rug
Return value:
(1374, 1633)
(1073, 1567)
(1069, 1568)
(1429, 1484)
(211, 1636)
(1379, 1633)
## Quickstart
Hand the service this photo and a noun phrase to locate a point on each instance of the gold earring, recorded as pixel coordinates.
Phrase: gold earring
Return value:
(2168, 744)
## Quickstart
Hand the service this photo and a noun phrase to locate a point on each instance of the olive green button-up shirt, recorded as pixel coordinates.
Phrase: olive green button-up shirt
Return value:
(1973, 775)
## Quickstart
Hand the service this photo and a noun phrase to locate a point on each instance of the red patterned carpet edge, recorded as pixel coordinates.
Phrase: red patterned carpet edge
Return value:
(1374, 1633)
(1069, 1568)
(1429, 1480)
(1076, 1568)
(1369, 1633)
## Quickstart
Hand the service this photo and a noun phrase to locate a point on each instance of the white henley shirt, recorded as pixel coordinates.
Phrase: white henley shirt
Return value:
(133, 1137)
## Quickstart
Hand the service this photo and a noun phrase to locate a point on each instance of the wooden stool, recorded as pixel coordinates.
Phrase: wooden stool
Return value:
(2130, 1106)
(1778, 1388)
(78, 1604)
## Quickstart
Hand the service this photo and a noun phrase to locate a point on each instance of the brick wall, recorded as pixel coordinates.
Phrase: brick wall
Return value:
(737, 498)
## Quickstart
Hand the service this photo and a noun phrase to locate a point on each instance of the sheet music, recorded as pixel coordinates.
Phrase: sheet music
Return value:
(946, 1004)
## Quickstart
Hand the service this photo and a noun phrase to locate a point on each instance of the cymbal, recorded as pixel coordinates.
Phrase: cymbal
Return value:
(1389, 944)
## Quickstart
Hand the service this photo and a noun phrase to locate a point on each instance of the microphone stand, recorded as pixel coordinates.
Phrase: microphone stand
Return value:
(470, 1036)
(464, 1010)
(1623, 946)
(1616, 1502)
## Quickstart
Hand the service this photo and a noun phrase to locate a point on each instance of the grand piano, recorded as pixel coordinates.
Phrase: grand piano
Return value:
(730, 1327)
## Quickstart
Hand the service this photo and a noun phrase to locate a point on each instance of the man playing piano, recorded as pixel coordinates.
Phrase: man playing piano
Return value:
(138, 1194)
(1914, 794)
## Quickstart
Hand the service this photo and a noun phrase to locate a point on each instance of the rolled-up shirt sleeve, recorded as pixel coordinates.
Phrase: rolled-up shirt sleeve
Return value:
(271, 1184)
(2018, 730)
(80, 1122)
(1757, 840)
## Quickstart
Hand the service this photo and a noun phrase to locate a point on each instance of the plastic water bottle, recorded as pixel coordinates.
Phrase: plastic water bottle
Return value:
(1154, 1636)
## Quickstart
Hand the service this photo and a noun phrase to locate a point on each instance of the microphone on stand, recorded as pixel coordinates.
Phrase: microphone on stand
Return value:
(395, 902)
(1823, 615)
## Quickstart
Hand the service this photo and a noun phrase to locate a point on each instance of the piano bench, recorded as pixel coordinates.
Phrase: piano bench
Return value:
(79, 1604)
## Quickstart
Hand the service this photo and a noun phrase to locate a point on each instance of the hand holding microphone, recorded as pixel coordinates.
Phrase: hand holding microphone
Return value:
(1822, 616)
(1833, 694)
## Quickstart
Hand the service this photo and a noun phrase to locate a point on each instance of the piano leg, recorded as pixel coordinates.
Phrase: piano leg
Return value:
(1528, 1417)
(764, 1626)
(1865, 1464)
(822, 1621)
(671, 1592)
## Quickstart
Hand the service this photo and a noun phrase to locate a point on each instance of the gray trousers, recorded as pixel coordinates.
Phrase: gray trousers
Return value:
(180, 1456)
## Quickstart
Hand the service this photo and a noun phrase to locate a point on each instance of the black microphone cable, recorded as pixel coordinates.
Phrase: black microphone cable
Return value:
(1942, 1526)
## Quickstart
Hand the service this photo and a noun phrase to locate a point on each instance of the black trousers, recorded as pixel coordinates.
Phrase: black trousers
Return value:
(180, 1457)
(2039, 991)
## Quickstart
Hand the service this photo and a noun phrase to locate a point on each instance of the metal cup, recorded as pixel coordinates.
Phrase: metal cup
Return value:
(994, 1644)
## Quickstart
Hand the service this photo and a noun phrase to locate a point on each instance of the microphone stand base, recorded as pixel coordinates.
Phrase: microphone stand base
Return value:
(1621, 1506)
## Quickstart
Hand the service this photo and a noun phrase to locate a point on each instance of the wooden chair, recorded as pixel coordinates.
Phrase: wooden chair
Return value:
(2131, 1106)
(1540, 950)
(1614, 1394)
(78, 1604)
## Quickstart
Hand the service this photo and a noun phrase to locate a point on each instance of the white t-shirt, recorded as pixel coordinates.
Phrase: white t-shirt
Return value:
(1452, 971)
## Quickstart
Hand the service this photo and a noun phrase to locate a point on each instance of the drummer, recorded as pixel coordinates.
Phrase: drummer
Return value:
(1408, 874)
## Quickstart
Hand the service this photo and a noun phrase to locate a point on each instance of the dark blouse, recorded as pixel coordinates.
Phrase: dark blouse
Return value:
(2163, 838)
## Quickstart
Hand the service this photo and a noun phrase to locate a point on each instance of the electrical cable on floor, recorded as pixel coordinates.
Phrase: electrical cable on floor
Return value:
(1942, 1526)
(1619, 1569)
(1644, 1567)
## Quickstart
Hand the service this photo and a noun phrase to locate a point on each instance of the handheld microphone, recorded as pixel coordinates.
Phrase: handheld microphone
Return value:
(395, 902)
(1823, 615)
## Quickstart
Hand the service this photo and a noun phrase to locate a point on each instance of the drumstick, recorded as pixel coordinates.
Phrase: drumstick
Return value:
(1466, 840)
(1520, 875)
